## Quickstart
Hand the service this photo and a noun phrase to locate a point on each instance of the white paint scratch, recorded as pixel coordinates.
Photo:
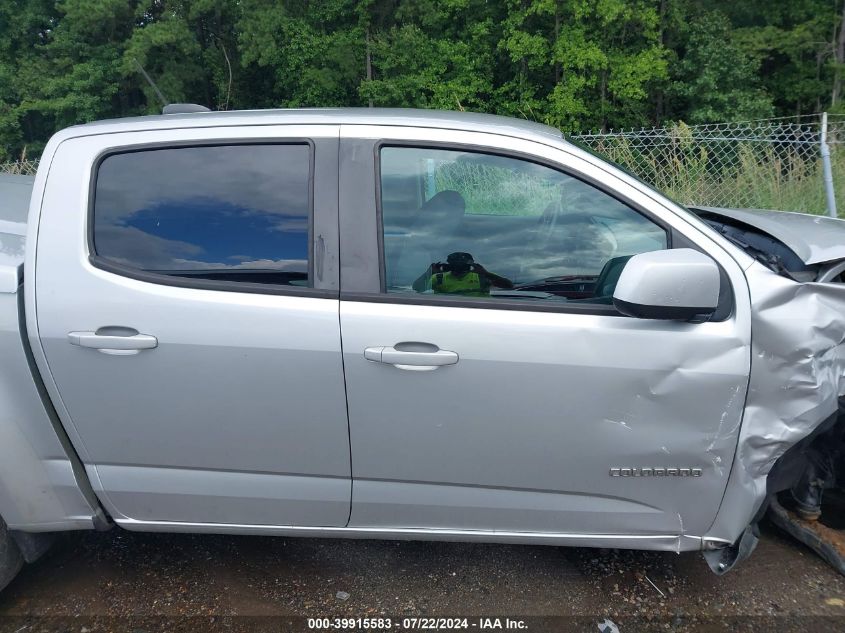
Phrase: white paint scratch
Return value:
(655, 586)
(621, 423)
(678, 542)
(720, 433)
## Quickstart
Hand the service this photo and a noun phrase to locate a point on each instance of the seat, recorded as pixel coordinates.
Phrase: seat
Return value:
(429, 238)
(609, 277)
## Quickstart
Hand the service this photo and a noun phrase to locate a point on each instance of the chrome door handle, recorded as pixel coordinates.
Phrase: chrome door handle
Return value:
(411, 358)
(118, 341)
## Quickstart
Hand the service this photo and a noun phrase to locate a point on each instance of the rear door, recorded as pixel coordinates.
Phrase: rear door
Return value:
(509, 395)
(186, 297)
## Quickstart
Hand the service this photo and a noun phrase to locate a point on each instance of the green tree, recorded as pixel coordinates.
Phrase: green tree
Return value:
(794, 43)
(314, 51)
(79, 64)
(434, 55)
(190, 48)
(578, 63)
(575, 64)
(715, 79)
(24, 29)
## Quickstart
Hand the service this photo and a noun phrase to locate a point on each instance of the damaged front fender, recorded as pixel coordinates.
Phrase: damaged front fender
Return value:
(797, 378)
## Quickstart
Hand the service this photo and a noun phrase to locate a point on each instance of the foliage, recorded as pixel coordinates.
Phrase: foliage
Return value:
(575, 64)
(716, 79)
(578, 63)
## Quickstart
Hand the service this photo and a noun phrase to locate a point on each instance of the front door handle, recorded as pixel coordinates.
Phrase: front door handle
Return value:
(415, 356)
(111, 340)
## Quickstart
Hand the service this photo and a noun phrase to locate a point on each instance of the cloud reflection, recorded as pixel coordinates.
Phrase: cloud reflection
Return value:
(202, 208)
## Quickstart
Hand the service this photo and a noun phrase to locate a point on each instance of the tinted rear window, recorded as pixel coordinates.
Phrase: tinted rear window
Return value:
(236, 213)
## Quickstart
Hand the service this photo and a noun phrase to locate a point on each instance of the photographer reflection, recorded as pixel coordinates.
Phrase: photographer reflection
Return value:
(460, 275)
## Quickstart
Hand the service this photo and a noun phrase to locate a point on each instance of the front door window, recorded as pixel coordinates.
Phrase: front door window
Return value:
(486, 226)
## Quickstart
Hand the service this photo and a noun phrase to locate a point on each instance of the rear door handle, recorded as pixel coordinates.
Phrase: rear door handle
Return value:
(411, 359)
(117, 341)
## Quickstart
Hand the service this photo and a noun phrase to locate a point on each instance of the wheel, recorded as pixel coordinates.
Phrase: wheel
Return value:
(11, 559)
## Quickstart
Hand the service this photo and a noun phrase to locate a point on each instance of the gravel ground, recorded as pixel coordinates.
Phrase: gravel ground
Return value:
(143, 582)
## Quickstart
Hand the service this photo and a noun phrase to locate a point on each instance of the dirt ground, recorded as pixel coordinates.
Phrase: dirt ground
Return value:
(143, 582)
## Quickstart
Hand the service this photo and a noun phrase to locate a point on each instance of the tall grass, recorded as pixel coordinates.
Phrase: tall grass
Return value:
(731, 173)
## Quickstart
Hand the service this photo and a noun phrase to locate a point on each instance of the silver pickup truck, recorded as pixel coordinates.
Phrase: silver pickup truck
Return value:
(407, 325)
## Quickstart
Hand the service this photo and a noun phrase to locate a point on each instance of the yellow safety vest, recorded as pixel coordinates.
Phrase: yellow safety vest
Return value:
(470, 284)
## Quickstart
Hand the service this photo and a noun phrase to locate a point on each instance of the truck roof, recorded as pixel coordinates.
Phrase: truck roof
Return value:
(468, 121)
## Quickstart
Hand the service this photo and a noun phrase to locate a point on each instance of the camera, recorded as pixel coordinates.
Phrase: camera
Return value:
(457, 263)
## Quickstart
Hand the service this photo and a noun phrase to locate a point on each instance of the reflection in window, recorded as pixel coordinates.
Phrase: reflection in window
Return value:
(480, 225)
(233, 213)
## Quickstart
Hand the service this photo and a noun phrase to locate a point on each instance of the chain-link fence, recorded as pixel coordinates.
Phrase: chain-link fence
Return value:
(20, 168)
(767, 164)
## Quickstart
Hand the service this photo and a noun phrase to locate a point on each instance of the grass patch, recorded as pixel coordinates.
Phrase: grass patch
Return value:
(730, 173)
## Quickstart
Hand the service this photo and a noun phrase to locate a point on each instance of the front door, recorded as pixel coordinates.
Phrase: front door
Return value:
(193, 334)
(491, 383)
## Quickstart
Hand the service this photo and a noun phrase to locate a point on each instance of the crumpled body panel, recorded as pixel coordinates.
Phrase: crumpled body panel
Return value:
(797, 377)
(813, 238)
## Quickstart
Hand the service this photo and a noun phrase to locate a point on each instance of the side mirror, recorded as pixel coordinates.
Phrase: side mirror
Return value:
(680, 284)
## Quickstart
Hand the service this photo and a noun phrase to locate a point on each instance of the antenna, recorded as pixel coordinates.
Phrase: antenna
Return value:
(151, 82)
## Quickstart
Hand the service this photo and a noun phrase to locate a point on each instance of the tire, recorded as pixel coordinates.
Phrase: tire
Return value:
(11, 559)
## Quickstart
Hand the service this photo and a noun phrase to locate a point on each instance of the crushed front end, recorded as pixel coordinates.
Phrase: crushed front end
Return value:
(790, 459)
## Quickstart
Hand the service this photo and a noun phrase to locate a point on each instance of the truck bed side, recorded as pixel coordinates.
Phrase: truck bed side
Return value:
(43, 487)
